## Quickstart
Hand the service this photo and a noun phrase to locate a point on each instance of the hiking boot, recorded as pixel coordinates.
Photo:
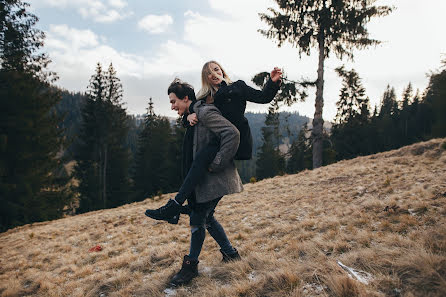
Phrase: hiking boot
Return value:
(185, 209)
(188, 271)
(230, 257)
(169, 212)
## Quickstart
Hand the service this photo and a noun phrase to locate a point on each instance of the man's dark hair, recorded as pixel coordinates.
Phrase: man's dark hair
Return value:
(181, 89)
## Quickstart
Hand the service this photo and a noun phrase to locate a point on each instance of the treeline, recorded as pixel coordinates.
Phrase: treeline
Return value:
(358, 130)
(31, 137)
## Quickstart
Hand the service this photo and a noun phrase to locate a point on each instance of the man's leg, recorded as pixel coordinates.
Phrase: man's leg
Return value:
(198, 217)
(218, 233)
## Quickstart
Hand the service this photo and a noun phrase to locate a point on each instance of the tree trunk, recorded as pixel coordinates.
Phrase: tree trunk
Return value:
(318, 122)
(104, 177)
(100, 179)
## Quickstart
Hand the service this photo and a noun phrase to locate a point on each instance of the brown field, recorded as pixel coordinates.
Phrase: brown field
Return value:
(383, 215)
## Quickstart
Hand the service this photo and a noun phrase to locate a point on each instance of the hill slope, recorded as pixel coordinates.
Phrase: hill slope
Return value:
(383, 215)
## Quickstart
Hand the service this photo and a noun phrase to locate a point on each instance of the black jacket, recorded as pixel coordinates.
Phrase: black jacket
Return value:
(231, 101)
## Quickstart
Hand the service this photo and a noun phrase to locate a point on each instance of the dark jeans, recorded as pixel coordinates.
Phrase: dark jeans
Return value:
(199, 167)
(201, 217)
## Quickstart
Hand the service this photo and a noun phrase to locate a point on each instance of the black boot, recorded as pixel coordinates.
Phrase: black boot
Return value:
(169, 212)
(185, 209)
(188, 271)
(230, 257)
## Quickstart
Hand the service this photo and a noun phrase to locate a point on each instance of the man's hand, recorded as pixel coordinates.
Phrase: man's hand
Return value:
(192, 118)
(276, 74)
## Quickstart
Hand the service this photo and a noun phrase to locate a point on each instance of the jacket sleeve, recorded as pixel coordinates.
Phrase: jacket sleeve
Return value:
(264, 96)
(228, 134)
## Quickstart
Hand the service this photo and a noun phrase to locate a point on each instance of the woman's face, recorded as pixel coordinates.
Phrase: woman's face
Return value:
(216, 74)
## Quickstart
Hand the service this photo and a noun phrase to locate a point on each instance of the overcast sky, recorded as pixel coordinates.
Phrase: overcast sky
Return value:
(152, 42)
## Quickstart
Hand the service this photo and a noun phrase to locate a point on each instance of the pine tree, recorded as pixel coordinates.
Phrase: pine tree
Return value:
(153, 163)
(102, 156)
(300, 152)
(270, 161)
(30, 136)
(405, 115)
(118, 160)
(332, 26)
(350, 133)
(176, 155)
(436, 99)
(387, 121)
(352, 98)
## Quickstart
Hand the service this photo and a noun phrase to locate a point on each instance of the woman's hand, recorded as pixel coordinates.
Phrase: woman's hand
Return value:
(192, 118)
(276, 74)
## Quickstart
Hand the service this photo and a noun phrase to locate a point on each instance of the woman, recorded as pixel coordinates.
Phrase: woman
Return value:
(230, 98)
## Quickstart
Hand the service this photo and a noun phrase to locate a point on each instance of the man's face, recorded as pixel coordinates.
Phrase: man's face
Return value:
(180, 105)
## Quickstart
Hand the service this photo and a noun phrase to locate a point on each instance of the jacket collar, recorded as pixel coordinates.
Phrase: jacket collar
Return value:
(191, 106)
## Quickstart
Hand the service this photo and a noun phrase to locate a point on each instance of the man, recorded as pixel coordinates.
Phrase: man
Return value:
(221, 179)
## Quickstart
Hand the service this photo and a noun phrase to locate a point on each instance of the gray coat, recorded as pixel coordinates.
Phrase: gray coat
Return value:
(224, 178)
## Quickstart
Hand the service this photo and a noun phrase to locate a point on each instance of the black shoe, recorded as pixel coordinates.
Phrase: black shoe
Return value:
(169, 212)
(188, 271)
(185, 209)
(230, 257)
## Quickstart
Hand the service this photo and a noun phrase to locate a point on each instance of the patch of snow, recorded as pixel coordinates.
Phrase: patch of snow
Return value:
(253, 276)
(312, 289)
(205, 269)
(169, 292)
(361, 276)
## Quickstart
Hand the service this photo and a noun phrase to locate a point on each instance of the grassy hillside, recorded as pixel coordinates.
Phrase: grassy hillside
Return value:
(383, 215)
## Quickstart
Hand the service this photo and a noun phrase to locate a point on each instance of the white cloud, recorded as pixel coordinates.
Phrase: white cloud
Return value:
(117, 3)
(95, 10)
(155, 24)
(57, 3)
(174, 57)
(63, 37)
(75, 54)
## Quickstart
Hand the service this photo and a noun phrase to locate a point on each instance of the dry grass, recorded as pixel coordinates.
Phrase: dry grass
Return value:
(383, 214)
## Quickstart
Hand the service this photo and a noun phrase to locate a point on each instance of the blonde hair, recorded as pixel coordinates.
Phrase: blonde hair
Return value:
(207, 89)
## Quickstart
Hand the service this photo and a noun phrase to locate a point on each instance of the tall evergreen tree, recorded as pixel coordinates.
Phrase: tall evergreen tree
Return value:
(153, 163)
(331, 26)
(436, 99)
(300, 152)
(30, 137)
(404, 118)
(387, 121)
(102, 156)
(270, 161)
(352, 99)
(350, 133)
(118, 160)
(175, 155)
